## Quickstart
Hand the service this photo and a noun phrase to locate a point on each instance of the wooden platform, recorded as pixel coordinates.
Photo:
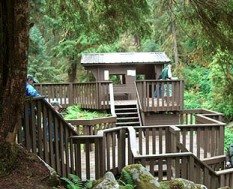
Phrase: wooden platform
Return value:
(125, 102)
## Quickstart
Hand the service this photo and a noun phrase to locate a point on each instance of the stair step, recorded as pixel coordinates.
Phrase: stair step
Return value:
(125, 109)
(126, 118)
(127, 123)
(125, 106)
(127, 113)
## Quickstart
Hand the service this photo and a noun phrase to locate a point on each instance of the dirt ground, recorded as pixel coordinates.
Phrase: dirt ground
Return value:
(29, 173)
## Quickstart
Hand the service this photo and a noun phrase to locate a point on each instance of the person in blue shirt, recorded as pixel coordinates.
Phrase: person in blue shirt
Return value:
(30, 89)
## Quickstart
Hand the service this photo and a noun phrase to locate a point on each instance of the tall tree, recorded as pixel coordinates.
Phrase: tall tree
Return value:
(13, 61)
(88, 24)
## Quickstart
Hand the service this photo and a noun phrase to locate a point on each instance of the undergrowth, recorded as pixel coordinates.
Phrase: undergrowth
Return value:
(228, 138)
(8, 158)
(76, 112)
(74, 182)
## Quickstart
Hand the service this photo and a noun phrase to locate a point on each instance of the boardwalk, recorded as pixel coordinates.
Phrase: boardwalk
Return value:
(109, 155)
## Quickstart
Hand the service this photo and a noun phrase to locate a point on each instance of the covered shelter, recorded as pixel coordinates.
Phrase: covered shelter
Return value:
(124, 68)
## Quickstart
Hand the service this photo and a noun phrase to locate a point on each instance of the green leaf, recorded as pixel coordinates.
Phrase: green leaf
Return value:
(74, 178)
(70, 184)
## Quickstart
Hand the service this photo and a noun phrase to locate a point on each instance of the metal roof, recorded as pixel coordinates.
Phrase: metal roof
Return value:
(124, 58)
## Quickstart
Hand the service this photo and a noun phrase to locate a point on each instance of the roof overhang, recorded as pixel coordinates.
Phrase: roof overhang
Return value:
(126, 58)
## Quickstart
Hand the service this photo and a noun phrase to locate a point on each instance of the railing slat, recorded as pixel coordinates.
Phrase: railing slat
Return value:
(160, 95)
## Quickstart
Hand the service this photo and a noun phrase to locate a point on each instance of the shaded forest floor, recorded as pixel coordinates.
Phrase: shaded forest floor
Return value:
(29, 172)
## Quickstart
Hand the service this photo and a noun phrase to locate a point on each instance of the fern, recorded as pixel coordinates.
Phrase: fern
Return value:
(88, 184)
(74, 182)
(127, 180)
(75, 112)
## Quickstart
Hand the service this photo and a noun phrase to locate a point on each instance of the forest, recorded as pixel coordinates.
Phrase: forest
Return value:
(196, 35)
(46, 39)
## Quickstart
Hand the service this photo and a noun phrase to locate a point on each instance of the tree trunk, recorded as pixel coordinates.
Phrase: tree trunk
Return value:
(175, 48)
(137, 41)
(174, 33)
(72, 71)
(13, 61)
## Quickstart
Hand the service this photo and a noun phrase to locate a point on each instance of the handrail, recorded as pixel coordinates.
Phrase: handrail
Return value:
(206, 118)
(160, 95)
(112, 104)
(46, 133)
(60, 117)
(214, 160)
(138, 99)
(133, 142)
(67, 83)
(225, 171)
(138, 81)
(91, 95)
(200, 161)
(139, 106)
(91, 121)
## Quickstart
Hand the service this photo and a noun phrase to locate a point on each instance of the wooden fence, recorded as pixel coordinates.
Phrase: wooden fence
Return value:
(45, 133)
(160, 95)
(93, 95)
(162, 149)
(112, 147)
(91, 127)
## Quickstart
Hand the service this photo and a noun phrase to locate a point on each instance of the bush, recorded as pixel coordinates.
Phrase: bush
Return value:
(228, 138)
(75, 112)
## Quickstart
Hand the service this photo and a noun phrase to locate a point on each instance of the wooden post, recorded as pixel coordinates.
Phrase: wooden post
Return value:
(71, 95)
(98, 96)
(144, 95)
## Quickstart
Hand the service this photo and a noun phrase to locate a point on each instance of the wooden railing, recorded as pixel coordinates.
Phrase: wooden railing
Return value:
(112, 146)
(160, 95)
(45, 133)
(188, 117)
(204, 140)
(218, 164)
(94, 95)
(156, 139)
(139, 108)
(107, 153)
(179, 165)
(61, 92)
(174, 165)
(91, 127)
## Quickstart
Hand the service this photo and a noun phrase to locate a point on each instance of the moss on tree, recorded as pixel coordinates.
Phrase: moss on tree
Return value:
(8, 158)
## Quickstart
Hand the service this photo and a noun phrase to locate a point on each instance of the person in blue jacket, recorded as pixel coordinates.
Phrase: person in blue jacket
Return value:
(30, 89)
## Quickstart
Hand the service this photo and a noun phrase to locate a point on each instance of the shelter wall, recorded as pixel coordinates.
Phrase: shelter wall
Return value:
(124, 91)
(127, 89)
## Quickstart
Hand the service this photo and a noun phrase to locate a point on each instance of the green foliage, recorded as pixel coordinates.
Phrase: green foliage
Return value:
(217, 28)
(228, 138)
(193, 100)
(126, 181)
(39, 61)
(75, 112)
(63, 30)
(150, 46)
(74, 182)
(222, 83)
(197, 79)
(197, 87)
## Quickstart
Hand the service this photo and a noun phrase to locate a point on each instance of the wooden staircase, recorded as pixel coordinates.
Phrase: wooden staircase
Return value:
(127, 115)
